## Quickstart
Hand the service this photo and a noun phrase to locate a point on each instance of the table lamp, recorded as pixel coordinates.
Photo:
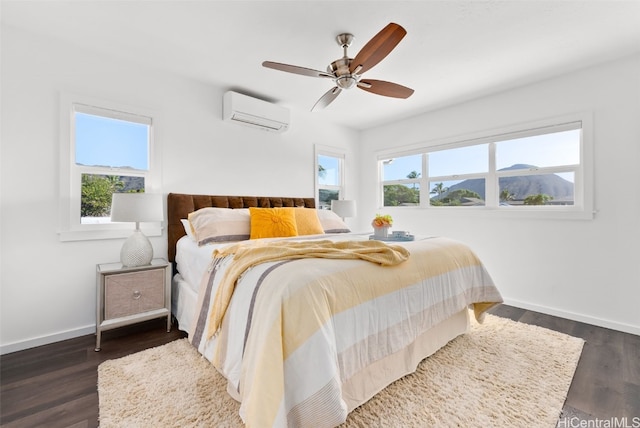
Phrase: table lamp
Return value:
(136, 207)
(344, 208)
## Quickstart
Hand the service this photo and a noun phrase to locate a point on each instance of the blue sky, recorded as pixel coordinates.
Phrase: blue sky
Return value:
(331, 175)
(111, 142)
(561, 148)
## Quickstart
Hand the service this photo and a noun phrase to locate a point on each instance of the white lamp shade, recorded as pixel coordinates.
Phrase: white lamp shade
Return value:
(136, 207)
(344, 208)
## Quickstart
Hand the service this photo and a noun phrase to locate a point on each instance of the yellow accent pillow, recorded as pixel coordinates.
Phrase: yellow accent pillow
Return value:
(307, 221)
(272, 222)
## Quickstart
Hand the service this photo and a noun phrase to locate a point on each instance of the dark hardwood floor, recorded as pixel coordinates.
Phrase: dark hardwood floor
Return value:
(56, 385)
(606, 386)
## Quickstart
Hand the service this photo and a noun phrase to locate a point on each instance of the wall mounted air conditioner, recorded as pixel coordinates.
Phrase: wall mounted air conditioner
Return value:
(259, 114)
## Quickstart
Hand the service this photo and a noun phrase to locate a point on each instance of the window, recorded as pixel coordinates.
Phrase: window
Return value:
(329, 177)
(111, 155)
(104, 149)
(541, 168)
(457, 177)
(402, 180)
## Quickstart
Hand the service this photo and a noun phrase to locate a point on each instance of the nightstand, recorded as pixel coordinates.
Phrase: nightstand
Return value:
(128, 295)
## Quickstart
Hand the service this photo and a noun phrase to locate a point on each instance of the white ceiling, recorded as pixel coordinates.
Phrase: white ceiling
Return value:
(454, 50)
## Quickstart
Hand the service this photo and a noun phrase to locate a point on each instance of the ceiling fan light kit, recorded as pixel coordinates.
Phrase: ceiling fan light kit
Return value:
(347, 72)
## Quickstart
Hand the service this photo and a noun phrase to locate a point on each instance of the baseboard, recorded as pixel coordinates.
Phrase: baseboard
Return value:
(91, 329)
(45, 340)
(613, 325)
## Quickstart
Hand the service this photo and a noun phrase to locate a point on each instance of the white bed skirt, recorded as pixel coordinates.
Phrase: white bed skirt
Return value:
(368, 382)
(183, 302)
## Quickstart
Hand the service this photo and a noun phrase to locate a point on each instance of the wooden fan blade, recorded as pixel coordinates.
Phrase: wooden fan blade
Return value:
(326, 99)
(377, 48)
(387, 89)
(296, 70)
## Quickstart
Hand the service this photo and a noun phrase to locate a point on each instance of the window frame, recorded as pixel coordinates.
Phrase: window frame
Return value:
(334, 152)
(583, 207)
(400, 181)
(70, 191)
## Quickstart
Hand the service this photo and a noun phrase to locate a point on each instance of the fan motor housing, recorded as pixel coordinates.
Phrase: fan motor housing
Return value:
(340, 69)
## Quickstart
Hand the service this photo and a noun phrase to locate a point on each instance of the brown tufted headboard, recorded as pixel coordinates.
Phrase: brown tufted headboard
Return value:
(179, 206)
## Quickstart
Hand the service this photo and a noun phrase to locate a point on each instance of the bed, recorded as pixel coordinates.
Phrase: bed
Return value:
(304, 340)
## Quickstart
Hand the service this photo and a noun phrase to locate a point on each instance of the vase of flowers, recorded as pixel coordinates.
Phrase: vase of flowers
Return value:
(381, 225)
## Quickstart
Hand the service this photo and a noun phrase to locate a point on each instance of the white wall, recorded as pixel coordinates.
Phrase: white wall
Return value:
(587, 270)
(47, 286)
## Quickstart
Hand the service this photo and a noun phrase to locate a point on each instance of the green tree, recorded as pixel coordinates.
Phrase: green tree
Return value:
(322, 172)
(439, 189)
(455, 198)
(397, 194)
(412, 175)
(326, 196)
(506, 195)
(96, 194)
(539, 199)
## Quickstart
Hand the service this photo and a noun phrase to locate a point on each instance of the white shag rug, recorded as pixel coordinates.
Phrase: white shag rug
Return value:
(500, 374)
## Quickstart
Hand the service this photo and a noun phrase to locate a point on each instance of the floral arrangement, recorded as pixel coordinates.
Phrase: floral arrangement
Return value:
(382, 220)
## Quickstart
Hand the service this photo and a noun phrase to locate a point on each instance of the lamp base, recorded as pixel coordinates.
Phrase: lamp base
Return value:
(137, 250)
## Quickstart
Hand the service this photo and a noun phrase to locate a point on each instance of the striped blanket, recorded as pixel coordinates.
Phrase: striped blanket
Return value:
(297, 329)
(247, 255)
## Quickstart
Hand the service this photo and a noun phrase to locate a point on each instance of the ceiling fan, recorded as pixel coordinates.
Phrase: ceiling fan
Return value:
(347, 72)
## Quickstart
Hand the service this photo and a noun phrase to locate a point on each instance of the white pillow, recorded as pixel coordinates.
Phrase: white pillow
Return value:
(220, 224)
(187, 228)
(331, 222)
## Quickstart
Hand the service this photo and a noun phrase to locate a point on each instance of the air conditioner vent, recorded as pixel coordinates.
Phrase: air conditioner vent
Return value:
(255, 113)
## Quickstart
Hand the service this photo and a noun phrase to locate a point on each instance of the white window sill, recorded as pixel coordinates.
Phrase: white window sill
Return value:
(103, 233)
(506, 213)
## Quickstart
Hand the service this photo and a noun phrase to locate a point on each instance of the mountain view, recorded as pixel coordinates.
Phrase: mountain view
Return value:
(519, 188)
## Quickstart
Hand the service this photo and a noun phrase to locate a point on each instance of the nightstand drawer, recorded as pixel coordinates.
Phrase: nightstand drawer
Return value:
(133, 293)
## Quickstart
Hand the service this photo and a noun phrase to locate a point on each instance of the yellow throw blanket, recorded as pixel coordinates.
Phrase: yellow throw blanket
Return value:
(249, 255)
